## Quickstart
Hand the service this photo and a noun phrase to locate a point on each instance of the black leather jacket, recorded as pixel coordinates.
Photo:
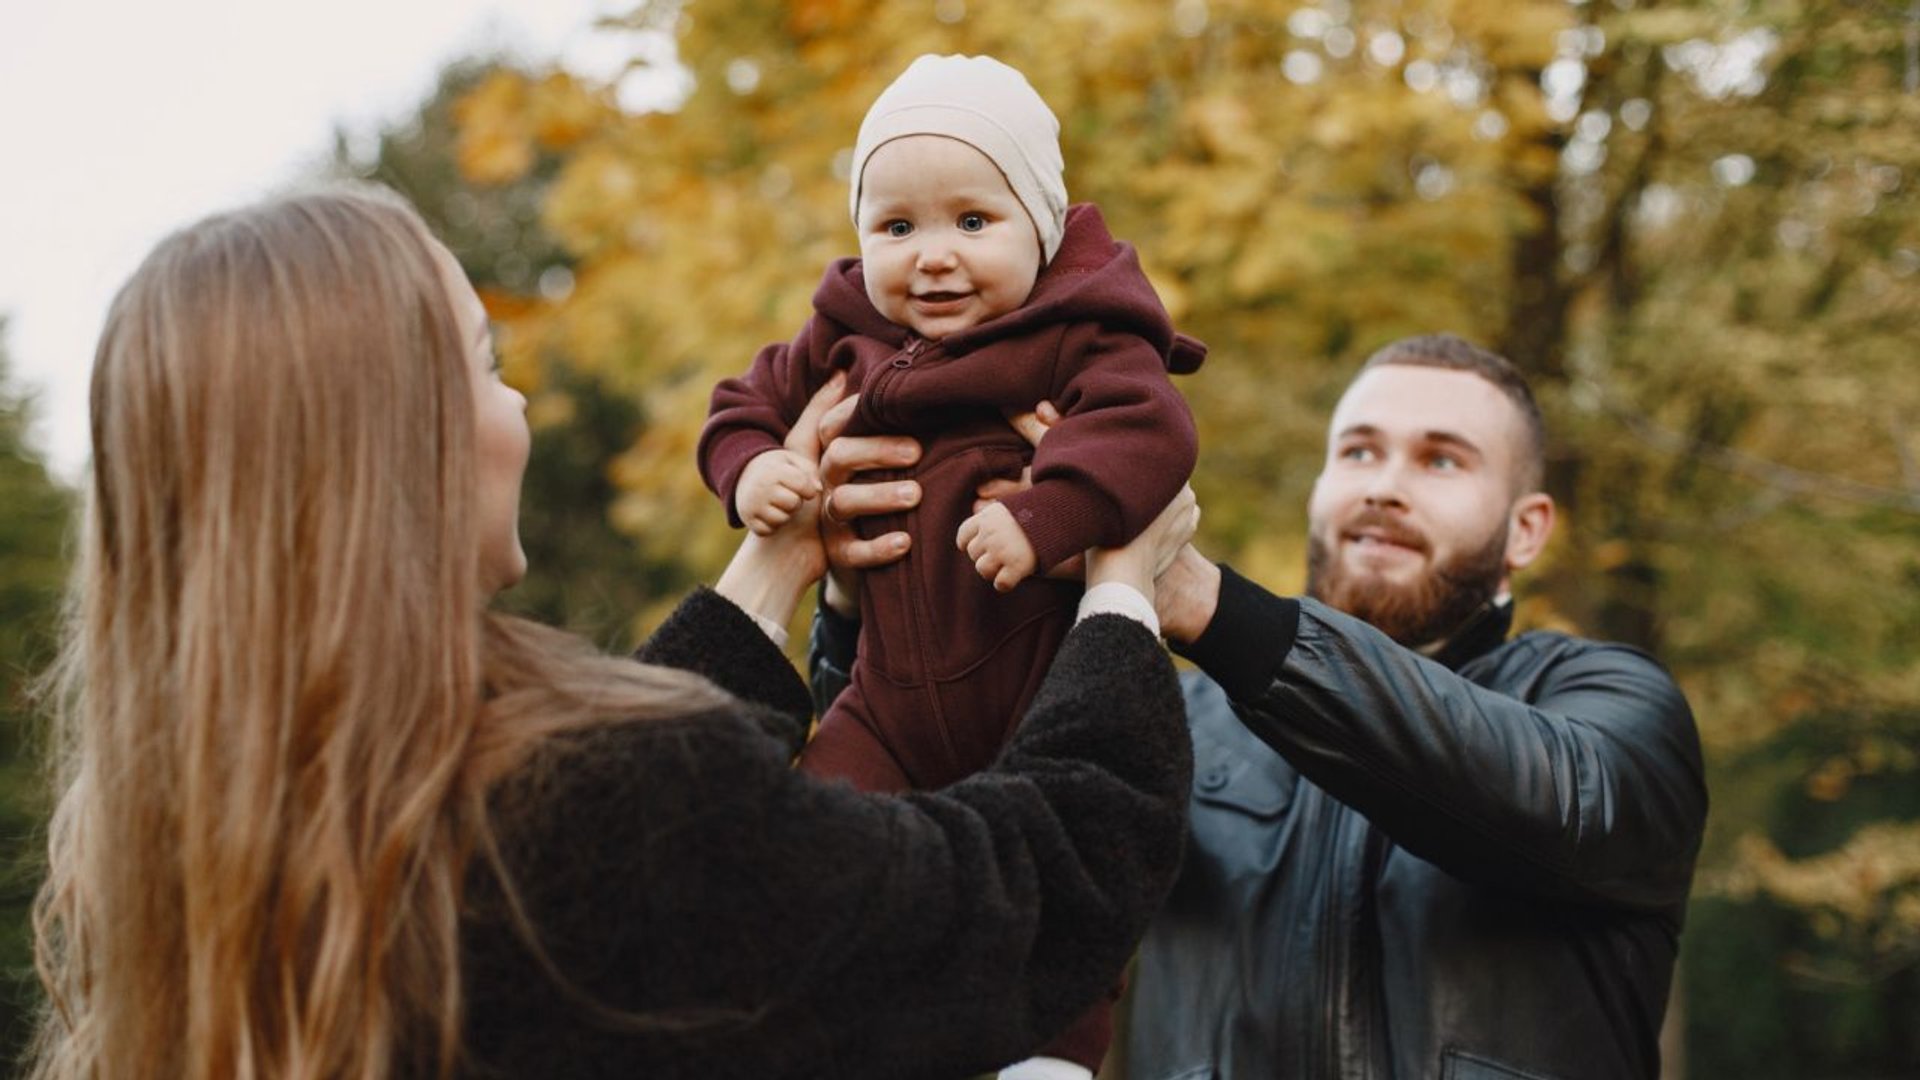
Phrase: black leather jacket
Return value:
(1462, 868)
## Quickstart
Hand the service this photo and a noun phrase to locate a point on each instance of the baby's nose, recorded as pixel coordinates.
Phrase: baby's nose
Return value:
(935, 254)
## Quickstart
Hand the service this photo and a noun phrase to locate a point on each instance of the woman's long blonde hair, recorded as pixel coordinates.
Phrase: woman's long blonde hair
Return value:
(281, 704)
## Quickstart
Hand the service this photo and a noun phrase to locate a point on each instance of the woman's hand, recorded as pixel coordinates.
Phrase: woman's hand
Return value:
(769, 572)
(1186, 596)
(1138, 563)
(1032, 426)
(1182, 584)
(843, 459)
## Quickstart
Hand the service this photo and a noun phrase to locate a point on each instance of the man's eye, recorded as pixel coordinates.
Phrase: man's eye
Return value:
(898, 228)
(1356, 453)
(972, 222)
(1443, 463)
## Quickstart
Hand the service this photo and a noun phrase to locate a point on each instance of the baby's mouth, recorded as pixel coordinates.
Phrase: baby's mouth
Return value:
(939, 297)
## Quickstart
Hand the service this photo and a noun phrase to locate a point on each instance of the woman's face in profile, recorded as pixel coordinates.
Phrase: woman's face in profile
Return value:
(501, 442)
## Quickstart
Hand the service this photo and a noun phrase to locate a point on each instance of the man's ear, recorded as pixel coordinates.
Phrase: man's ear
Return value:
(1529, 524)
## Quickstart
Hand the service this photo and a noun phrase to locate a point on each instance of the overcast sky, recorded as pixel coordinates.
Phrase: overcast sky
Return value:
(122, 120)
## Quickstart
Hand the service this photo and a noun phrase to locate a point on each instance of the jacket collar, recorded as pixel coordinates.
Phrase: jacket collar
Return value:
(1480, 635)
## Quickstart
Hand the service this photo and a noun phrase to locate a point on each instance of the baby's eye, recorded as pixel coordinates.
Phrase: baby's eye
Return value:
(1443, 462)
(972, 222)
(1356, 453)
(899, 228)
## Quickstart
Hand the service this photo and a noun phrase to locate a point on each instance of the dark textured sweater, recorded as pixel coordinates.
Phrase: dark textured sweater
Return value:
(761, 923)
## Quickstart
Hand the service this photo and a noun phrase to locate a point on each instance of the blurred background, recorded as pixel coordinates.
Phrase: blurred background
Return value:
(1696, 225)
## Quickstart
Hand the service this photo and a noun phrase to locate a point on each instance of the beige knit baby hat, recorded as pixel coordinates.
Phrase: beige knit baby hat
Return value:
(990, 107)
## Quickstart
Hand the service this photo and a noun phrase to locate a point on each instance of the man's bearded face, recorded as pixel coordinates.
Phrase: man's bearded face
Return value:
(1409, 523)
(1417, 611)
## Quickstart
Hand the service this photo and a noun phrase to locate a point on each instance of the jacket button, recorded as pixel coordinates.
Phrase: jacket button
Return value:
(1214, 778)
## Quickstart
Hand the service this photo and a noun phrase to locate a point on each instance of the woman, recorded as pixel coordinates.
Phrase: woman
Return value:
(323, 815)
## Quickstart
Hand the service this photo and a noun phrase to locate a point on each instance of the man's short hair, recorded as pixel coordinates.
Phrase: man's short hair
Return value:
(1458, 354)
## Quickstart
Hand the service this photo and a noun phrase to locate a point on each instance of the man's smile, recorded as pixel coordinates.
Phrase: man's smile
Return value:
(1378, 535)
(1373, 537)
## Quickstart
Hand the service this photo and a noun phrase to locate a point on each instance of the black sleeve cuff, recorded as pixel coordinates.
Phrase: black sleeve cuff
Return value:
(835, 636)
(1249, 638)
(709, 635)
(831, 647)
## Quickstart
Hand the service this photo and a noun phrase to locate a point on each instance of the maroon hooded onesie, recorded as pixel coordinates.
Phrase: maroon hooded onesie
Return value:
(946, 665)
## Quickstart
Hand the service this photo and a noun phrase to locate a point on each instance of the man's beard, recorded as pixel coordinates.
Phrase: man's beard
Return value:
(1427, 610)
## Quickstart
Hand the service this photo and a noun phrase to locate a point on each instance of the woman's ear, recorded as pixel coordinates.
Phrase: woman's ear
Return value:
(1529, 524)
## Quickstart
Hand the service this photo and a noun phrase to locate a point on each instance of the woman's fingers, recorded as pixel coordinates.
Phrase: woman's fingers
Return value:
(848, 501)
(1146, 556)
(805, 437)
(848, 552)
(833, 422)
(1173, 528)
(1001, 487)
(1033, 426)
(847, 456)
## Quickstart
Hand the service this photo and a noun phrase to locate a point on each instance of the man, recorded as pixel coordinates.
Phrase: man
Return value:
(1418, 848)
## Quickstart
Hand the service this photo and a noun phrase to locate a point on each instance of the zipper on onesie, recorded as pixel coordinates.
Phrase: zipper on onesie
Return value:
(902, 361)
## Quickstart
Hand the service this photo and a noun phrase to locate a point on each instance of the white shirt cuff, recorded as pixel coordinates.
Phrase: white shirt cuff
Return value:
(1046, 1068)
(773, 629)
(1114, 598)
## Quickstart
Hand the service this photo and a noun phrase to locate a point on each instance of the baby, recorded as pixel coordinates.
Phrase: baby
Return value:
(978, 292)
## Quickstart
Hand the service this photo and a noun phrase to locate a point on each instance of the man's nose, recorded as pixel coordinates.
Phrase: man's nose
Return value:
(1385, 484)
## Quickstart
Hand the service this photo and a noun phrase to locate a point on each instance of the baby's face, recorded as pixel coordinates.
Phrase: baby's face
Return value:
(945, 244)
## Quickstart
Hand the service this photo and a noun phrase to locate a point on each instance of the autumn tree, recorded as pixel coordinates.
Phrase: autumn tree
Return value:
(1746, 322)
(32, 570)
(582, 573)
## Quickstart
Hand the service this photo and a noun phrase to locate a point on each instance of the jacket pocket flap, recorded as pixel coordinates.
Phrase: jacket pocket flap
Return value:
(1252, 781)
(1459, 1065)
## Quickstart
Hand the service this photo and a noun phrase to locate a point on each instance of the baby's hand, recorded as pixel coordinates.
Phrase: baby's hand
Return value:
(998, 547)
(772, 487)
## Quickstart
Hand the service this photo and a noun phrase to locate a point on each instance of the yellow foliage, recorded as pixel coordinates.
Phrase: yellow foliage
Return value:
(1866, 888)
(1225, 127)
(496, 139)
(562, 111)
(1522, 37)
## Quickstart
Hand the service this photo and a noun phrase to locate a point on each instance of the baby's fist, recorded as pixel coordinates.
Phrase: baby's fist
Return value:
(998, 546)
(772, 489)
